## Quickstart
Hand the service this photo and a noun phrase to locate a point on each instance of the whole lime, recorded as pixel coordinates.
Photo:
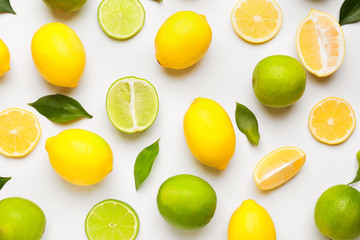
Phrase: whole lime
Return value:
(21, 219)
(279, 81)
(186, 202)
(337, 213)
(65, 5)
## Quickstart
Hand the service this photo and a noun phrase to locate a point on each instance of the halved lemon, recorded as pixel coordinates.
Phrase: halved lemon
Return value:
(320, 43)
(256, 21)
(278, 167)
(19, 132)
(332, 120)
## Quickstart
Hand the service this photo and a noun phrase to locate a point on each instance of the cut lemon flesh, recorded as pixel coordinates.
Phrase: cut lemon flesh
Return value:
(332, 121)
(320, 43)
(19, 132)
(278, 167)
(256, 21)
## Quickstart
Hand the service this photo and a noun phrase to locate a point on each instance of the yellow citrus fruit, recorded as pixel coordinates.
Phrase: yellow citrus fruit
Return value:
(256, 21)
(182, 40)
(320, 43)
(251, 222)
(278, 167)
(58, 54)
(79, 156)
(19, 132)
(209, 133)
(332, 120)
(4, 58)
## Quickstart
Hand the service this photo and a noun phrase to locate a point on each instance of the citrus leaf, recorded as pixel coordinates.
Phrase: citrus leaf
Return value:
(3, 181)
(144, 162)
(357, 178)
(247, 123)
(5, 6)
(60, 108)
(349, 12)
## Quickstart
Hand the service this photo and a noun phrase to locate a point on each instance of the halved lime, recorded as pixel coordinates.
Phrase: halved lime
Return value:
(132, 104)
(112, 220)
(121, 19)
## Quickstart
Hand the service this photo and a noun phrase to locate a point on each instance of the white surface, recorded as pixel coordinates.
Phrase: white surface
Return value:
(224, 75)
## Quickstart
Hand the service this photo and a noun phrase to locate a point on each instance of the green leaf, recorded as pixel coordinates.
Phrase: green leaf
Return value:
(60, 108)
(349, 12)
(3, 180)
(5, 6)
(247, 123)
(144, 162)
(357, 178)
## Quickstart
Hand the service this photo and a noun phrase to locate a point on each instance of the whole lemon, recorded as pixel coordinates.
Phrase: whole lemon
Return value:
(209, 133)
(65, 5)
(21, 219)
(182, 40)
(4, 58)
(251, 221)
(58, 54)
(337, 213)
(79, 156)
(186, 202)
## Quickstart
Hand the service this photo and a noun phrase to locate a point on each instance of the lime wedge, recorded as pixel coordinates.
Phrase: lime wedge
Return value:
(121, 19)
(112, 220)
(132, 104)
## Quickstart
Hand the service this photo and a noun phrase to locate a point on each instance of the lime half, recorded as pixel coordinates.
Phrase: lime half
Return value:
(112, 220)
(132, 104)
(121, 19)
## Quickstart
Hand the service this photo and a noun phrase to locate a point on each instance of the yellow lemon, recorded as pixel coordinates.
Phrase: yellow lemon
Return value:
(4, 58)
(58, 54)
(251, 222)
(79, 156)
(182, 40)
(209, 133)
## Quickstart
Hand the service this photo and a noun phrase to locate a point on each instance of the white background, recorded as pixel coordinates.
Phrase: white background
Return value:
(223, 75)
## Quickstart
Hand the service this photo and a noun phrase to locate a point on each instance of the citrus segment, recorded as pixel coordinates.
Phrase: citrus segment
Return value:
(19, 132)
(121, 19)
(256, 21)
(132, 104)
(278, 167)
(332, 120)
(112, 220)
(320, 43)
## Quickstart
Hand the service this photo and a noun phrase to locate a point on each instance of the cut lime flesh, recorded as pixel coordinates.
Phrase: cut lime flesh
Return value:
(121, 19)
(132, 104)
(112, 220)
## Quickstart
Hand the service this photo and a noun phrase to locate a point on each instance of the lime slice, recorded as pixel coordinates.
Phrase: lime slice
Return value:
(132, 104)
(121, 19)
(112, 220)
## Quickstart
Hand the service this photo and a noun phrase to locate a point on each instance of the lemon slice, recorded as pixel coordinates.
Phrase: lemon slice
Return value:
(332, 121)
(19, 132)
(256, 21)
(320, 43)
(278, 167)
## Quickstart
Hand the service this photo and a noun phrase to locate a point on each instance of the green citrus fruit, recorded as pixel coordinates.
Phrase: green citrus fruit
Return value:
(65, 5)
(186, 202)
(21, 219)
(337, 213)
(279, 81)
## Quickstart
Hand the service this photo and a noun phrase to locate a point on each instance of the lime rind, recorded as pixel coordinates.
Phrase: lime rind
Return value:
(93, 216)
(121, 19)
(125, 116)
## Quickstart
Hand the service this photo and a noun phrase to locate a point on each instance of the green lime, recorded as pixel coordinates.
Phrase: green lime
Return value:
(65, 5)
(186, 202)
(132, 104)
(121, 19)
(337, 213)
(279, 81)
(112, 220)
